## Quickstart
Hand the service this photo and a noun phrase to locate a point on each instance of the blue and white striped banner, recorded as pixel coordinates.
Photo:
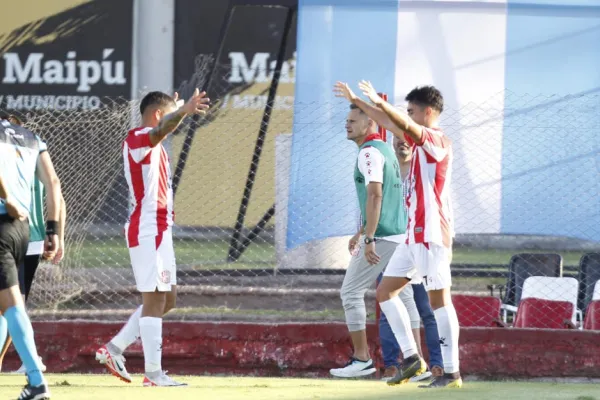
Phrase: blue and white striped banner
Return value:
(521, 81)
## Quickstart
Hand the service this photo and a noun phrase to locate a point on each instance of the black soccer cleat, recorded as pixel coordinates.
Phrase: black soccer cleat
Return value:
(445, 381)
(35, 392)
(411, 366)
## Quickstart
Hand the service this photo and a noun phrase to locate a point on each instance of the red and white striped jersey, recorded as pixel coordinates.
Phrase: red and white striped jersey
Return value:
(430, 218)
(148, 176)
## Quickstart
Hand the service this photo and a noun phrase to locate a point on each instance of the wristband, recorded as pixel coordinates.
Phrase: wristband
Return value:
(51, 228)
(369, 240)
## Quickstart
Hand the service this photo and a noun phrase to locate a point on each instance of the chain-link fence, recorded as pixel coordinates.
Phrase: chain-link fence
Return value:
(236, 203)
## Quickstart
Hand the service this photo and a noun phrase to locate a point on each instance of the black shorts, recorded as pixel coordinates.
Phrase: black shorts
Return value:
(14, 238)
(27, 273)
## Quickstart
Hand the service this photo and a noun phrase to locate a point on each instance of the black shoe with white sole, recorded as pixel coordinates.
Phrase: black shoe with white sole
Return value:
(411, 366)
(35, 392)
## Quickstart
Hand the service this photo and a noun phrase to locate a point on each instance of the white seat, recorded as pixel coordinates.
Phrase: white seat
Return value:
(557, 289)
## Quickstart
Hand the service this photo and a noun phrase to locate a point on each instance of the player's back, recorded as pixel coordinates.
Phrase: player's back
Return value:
(19, 152)
(148, 176)
(429, 204)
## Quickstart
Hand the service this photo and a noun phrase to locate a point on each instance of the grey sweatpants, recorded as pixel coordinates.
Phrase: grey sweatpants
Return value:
(360, 276)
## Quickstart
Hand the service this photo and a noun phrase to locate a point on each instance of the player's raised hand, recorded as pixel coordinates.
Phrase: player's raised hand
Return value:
(341, 89)
(368, 90)
(197, 104)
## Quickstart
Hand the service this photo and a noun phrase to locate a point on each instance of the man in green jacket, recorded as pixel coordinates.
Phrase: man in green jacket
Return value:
(379, 192)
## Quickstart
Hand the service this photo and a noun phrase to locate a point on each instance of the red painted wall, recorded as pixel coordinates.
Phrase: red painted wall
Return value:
(312, 349)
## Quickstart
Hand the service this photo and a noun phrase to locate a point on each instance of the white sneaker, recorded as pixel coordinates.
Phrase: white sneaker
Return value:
(162, 380)
(23, 370)
(422, 377)
(354, 369)
(114, 363)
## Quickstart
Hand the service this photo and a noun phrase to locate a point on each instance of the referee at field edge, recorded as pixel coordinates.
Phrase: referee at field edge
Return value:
(19, 164)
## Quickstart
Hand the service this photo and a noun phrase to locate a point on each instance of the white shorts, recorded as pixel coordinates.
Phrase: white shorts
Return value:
(154, 264)
(416, 262)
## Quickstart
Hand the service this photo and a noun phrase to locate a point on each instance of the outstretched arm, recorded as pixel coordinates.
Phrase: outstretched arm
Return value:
(197, 104)
(341, 89)
(402, 122)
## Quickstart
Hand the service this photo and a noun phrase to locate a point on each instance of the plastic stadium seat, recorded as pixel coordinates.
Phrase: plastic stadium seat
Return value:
(524, 265)
(549, 288)
(592, 314)
(545, 314)
(589, 274)
(481, 311)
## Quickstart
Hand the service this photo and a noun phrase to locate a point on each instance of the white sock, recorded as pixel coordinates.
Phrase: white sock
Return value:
(399, 321)
(129, 333)
(151, 333)
(448, 328)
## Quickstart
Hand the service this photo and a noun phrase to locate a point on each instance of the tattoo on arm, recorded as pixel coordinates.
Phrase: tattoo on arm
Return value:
(376, 114)
(167, 125)
(403, 122)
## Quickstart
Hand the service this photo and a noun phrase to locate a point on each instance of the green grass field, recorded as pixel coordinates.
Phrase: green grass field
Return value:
(102, 387)
(212, 254)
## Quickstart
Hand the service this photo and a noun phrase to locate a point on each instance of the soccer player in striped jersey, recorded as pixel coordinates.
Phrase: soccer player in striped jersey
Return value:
(389, 346)
(148, 233)
(427, 252)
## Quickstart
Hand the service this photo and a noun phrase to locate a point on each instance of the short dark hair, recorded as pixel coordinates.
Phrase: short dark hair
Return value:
(426, 96)
(13, 119)
(355, 107)
(159, 99)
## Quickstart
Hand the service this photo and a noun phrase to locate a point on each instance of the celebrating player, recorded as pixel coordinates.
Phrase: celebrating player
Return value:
(389, 345)
(148, 233)
(428, 250)
(20, 152)
(379, 191)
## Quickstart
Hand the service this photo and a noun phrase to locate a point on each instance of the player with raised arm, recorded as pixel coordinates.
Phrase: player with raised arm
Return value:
(148, 233)
(428, 249)
(389, 346)
(20, 151)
